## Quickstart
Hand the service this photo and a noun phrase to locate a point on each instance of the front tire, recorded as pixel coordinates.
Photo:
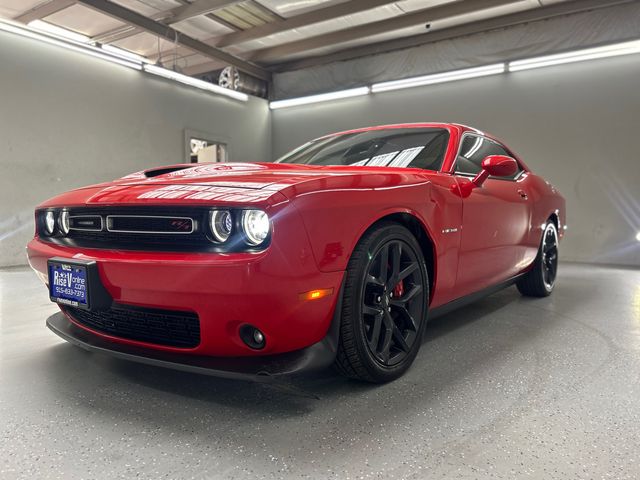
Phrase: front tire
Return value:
(384, 305)
(541, 279)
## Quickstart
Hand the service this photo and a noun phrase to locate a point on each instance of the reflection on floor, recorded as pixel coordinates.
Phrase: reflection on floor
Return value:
(508, 387)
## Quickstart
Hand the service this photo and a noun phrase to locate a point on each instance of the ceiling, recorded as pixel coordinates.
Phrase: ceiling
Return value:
(261, 36)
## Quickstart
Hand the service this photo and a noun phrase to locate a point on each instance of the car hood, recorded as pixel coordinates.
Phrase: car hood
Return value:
(236, 183)
(272, 176)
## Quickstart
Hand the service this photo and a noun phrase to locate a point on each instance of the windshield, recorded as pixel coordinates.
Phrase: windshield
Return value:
(397, 147)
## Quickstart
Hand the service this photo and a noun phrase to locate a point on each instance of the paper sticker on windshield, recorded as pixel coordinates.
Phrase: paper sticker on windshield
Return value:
(360, 163)
(381, 160)
(406, 157)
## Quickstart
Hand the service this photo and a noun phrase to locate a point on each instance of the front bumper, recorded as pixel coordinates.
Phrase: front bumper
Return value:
(262, 368)
(225, 290)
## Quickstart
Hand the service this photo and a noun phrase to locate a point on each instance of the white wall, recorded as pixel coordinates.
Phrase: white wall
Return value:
(577, 125)
(68, 120)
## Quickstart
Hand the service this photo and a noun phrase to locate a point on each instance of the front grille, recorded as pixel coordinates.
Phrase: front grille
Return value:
(161, 327)
(147, 228)
(169, 225)
(172, 229)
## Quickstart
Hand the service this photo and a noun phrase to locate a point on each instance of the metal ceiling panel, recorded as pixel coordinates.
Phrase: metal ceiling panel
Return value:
(411, 5)
(199, 64)
(341, 23)
(146, 44)
(148, 7)
(83, 20)
(363, 41)
(14, 8)
(381, 13)
(245, 15)
(257, 10)
(484, 14)
(290, 8)
(201, 27)
(193, 62)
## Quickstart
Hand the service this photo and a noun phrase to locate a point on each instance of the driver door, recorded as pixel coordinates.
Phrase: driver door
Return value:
(495, 219)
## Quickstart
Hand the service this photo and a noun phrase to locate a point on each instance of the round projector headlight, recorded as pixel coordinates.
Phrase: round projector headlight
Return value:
(255, 224)
(49, 222)
(221, 223)
(63, 222)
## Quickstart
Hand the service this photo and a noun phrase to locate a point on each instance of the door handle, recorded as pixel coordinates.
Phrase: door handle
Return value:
(523, 194)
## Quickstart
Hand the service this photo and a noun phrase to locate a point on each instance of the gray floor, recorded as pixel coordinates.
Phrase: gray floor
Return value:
(506, 388)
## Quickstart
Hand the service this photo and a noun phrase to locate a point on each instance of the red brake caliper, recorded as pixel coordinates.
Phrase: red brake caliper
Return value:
(398, 290)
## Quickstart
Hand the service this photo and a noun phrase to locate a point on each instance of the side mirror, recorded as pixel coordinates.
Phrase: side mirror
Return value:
(497, 166)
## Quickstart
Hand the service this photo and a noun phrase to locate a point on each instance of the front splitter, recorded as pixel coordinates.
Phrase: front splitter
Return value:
(256, 368)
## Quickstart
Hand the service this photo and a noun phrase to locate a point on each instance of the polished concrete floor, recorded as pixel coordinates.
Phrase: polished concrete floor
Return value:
(507, 388)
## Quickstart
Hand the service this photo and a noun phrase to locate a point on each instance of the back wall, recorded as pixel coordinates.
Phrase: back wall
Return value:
(575, 124)
(69, 120)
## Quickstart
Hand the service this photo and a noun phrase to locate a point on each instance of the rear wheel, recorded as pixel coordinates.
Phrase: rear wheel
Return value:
(541, 279)
(384, 305)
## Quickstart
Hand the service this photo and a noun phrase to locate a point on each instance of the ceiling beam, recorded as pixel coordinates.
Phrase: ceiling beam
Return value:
(411, 19)
(156, 28)
(118, 33)
(201, 68)
(504, 21)
(199, 7)
(44, 10)
(167, 17)
(309, 18)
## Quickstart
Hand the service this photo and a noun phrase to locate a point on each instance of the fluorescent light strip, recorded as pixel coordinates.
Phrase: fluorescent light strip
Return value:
(323, 97)
(110, 53)
(59, 31)
(625, 48)
(194, 82)
(440, 78)
(126, 54)
(66, 43)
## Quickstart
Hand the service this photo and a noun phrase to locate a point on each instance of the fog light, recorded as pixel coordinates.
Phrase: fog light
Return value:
(252, 337)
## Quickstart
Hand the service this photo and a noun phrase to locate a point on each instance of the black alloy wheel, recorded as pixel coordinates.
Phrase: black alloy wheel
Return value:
(384, 305)
(392, 306)
(541, 279)
(550, 257)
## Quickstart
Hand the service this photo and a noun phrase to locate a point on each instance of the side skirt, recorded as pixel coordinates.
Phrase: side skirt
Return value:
(472, 297)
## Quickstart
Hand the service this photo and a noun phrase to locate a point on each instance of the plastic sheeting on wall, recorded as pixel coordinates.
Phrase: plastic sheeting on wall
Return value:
(601, 26)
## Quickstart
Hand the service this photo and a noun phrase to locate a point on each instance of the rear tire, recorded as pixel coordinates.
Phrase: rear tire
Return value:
(384, 305)
(541, 279)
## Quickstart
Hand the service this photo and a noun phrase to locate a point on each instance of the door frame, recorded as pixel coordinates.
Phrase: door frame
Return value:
(209, 137)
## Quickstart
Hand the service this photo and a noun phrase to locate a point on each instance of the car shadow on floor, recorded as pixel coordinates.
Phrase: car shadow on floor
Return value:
(445, 344)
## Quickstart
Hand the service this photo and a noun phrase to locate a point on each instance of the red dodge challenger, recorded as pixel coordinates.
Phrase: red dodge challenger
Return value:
(337, 253)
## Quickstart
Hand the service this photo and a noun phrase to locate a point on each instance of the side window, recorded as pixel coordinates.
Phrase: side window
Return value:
(474, 150)
(430, 158)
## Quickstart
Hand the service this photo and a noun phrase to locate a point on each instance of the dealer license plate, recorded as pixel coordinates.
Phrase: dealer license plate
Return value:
(68, 284)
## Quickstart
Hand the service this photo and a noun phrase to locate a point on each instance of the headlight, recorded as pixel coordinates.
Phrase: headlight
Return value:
(49, 222)
(63, 222)
(255, 224)
(221, 223)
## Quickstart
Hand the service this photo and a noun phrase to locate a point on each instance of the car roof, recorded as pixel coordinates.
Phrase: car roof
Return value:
(460, 128)
(446, 125)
